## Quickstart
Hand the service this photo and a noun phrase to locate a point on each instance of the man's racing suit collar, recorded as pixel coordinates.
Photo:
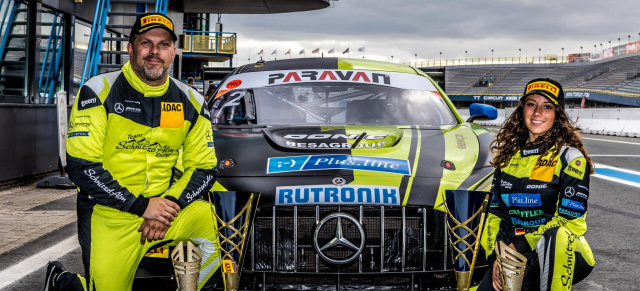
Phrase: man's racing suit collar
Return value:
(136, 83)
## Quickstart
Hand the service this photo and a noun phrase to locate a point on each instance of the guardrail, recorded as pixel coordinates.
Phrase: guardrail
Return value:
(209, 42)
(605, 121)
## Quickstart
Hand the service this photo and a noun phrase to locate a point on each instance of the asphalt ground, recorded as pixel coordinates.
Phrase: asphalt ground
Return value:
(613, 226)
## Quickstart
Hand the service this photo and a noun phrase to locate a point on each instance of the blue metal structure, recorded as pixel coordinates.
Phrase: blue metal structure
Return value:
(50, 69)
(8, 10)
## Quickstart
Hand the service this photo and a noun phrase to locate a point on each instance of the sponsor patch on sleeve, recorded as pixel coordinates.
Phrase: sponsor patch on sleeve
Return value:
(77, 133)
(87, 100)
(576, 168)
(171, 115)
(573, 204)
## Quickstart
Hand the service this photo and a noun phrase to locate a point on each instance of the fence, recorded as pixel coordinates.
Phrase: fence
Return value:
(202, 42)
(606, 121)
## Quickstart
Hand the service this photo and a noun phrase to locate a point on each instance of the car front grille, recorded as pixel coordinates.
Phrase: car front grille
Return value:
(398, 239)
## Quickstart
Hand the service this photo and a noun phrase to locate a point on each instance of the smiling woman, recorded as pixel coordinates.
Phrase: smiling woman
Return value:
(541, 188)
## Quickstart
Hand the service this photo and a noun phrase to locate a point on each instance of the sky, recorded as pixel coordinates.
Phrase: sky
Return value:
(397, 31)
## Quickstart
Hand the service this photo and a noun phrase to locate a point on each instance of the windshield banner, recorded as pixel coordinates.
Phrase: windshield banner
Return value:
(270, 78)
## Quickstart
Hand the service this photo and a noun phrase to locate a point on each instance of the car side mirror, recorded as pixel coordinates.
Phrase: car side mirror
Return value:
(482, 111)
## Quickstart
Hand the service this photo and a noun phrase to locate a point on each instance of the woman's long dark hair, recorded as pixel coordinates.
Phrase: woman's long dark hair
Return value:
(514, 134)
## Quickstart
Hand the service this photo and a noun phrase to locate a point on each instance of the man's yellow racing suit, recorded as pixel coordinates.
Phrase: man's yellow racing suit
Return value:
(123, 141)
(540, 205)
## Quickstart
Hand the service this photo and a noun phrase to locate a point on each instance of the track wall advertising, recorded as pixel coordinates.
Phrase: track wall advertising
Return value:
(578, 58)
(597, 96)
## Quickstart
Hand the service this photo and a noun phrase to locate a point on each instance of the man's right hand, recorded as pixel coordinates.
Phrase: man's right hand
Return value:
(161, 209)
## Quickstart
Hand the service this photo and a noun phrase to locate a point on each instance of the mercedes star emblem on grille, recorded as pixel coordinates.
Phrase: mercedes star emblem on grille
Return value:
(339, 240)
(339, 181)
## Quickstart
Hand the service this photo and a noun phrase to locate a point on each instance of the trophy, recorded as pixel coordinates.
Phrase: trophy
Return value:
(234, 212)
(512, 265)
(467, 211)
(186, 265)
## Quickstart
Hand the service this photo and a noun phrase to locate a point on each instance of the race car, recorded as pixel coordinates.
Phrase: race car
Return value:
(352, 158)
(345, 149)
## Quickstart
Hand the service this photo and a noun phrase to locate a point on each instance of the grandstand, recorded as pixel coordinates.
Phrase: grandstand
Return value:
(618, 76)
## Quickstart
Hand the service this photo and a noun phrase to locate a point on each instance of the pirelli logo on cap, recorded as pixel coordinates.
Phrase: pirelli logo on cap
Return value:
(547, 87)
(147, 20)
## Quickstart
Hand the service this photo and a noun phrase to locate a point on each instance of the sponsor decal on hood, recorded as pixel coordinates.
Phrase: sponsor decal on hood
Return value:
(330, 162)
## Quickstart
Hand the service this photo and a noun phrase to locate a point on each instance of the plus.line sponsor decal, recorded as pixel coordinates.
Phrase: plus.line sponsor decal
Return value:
(573, 204)
(331, 194)
(329, 162)
(522, 200)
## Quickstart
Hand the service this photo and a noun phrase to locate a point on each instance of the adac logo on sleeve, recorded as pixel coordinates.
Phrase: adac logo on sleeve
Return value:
(576, 168)
(171, 115)
(329, 162)
(522, 200)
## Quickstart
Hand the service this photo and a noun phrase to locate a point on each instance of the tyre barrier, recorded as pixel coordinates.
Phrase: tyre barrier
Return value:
(605, 121)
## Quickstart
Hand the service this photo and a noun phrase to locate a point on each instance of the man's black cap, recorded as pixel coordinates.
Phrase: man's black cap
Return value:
(550, 89)
(148, 21)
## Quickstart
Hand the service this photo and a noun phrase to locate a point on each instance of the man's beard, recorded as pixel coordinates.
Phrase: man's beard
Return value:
(149, 74)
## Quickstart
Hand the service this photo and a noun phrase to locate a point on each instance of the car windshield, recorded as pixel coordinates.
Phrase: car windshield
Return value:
(333, 103)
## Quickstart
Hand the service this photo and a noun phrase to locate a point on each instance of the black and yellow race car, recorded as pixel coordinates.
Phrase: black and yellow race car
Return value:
(347, 150)
(352, 158)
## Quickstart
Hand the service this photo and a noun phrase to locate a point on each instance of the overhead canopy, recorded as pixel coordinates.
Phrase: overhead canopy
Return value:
(249, 6)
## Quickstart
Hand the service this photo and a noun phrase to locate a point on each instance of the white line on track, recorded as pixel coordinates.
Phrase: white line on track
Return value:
(14, 273)
(608, 140)
(621, 181)
(594, 284)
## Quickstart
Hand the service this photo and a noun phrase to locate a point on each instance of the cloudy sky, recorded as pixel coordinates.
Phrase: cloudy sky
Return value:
(403, 29)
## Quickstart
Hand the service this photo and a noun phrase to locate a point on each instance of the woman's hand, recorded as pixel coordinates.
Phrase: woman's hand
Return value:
(497, 281)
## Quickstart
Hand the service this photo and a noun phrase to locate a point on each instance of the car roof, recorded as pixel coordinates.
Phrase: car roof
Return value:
(327, 64)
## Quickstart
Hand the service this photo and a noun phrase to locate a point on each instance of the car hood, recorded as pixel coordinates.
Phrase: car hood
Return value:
(436, 158)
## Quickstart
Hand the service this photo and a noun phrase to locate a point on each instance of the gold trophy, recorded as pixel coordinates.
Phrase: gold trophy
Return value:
(186, 265)
(234, 212)
(467, 211)
(512, 265)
